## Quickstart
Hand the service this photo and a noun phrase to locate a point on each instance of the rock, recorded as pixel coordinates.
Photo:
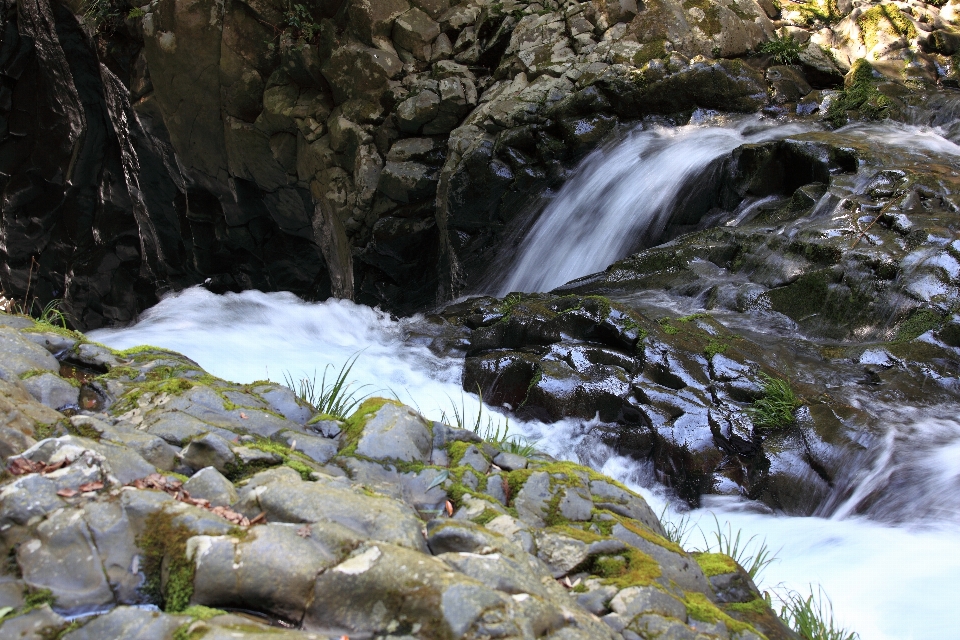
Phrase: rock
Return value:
(355, 71)
(247, 457)
(32, 625)
(28, 497)
(285, 402)
(320, 450)
(152, 449)
(22, 412)
(634, 601)
(256, 572)
(407, 181)
(114, 538)
(414, 31)
(22, 355)
(209, 484)
(395, 432)
(63, 558)
(128, 622)
(416, 111)
(510, 461)
(209, 451)
(472, 457)
(376, 518)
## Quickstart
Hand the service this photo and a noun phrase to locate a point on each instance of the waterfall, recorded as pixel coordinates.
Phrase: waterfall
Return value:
(622, 198)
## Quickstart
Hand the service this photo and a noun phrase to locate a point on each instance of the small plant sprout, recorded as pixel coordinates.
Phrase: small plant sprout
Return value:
(754, 557)
(811, 616)
(334, 398)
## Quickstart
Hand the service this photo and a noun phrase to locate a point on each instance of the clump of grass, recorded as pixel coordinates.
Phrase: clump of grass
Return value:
(677, 531)
(334, 398)
(753, 557)
(861, 95)
(494, 432)
(774, 410)
(811, 617)
(785, 50)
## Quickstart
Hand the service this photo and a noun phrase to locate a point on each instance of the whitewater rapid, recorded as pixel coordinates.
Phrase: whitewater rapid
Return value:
(886, 582)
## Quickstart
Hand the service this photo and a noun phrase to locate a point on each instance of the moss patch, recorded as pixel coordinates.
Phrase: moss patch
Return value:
(917, 324)
(164, 538)
(757, 606)
(630, 569)
(645, 533)
(884, 18)
(715, 564)
(861, 95)
(353, 426)
(699, 607)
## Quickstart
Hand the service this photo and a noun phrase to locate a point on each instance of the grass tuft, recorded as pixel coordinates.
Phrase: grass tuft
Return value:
(784, 50)
(752, 557)
(775, 409)
(812, 617)
(334, 398)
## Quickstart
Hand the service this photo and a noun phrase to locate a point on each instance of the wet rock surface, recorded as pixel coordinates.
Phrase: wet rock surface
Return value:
(247, 535)
(381, 152)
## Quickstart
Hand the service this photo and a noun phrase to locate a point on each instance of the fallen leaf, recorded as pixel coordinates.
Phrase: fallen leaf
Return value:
(260, 518)
(304, 531)
(566, 582)
(67, 493)
(449, 507)
(440, 479)
(91, 486)
(243, 415)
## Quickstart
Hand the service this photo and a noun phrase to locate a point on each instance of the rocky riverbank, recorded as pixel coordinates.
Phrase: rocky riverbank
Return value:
(142, 496)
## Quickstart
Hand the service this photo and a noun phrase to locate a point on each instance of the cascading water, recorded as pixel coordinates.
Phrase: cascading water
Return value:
(890, 574)
(623, 196)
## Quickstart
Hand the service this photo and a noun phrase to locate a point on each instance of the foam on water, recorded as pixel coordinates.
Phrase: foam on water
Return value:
(887, 582)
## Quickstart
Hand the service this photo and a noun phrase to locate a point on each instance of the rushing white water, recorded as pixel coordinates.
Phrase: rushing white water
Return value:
(622, 194)
(887, 582)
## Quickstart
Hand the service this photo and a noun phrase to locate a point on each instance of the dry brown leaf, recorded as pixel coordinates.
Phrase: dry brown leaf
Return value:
(91, 486)
(449, 508)
(304, 531)
(67, 493)
(260, 518)
(243, 415)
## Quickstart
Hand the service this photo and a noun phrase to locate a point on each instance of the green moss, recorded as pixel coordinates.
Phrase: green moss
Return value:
(917, 324)
(825, 11)
(580, 588)
(200, 612)
(166, 539)
(637, 569)
(121, 372)
(757, 606)
(515, 481)
(353, 426)
(485, 517)
(668, 328)
(321, 417)
(710, 24)
(26, 375)
(699, 607)
(133, 352)
(84, 431)
(714, 347)
(588, 537)
(43, 431)
(36, 598)
(172, 386)
(861, 95)
(184, 632)
(301, 468)
(649, 51)
(457, 450)
(648, 535)
(715, 564)
(884, 17)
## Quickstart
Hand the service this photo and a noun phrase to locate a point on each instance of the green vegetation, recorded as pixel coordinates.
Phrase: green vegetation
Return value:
(298, 18)
(677, 531)
(785, 50)
(775, 409)
(629, 569)
(715, 564)
(333, 398)
(165, 539)
(699, 607)
(729, 544)
(884, 17)
(494, 432)
(917, 324)
(825, 11)
(812, 617)
(861, 95)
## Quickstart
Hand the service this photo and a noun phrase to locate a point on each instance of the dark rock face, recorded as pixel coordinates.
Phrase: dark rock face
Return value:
(100, 210)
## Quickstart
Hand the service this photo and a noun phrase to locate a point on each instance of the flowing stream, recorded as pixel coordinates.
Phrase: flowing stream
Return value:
(887, 581)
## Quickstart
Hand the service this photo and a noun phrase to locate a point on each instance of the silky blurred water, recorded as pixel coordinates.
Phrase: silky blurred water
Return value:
(887, 582)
